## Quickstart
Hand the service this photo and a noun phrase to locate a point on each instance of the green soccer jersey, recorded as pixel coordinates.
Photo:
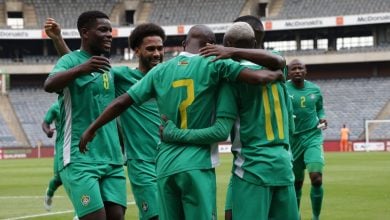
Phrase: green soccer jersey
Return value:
(185, 88)
(262, 157)
(81, 102)
(140, 124)
(307, 104)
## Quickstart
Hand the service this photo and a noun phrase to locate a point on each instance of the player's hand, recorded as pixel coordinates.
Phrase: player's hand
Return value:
(325, 123)
(95, 64)
(52, 29)
(164, 120)
(85, 138)
(280, 76)
(50, 133)
(220, 52)
(275, 75)
(167, 129)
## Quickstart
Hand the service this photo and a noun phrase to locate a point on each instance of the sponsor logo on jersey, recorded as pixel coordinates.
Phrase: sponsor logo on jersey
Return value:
(85, 199)
(312, 96)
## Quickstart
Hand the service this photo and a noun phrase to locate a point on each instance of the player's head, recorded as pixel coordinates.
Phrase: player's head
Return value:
(240, 35)
(146, 40)
(95, 32)
(198, 36)
(257, 27)
(297, 70)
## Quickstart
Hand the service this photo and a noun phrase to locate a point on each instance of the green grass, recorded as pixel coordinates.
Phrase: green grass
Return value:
(357, 186)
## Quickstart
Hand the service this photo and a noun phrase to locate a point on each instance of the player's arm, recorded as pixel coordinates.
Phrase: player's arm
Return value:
(46, 128)
(262, 76)
(53, 30)
(321, 111)
(60, 80)
(119, 105)
(48, 119)
(259, 56)
(218, 132)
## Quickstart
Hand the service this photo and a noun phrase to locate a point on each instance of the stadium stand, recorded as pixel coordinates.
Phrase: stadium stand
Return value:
(67, 11)
(31, 111)
(174, 12)
(345, 101)
(324, 8)
(6, 137)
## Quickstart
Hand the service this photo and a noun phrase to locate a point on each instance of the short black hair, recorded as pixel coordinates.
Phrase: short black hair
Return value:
(145, 30)
(253, 21)
(88, 18)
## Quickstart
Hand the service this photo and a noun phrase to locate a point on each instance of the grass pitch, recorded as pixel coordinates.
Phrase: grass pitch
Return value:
(357, 186)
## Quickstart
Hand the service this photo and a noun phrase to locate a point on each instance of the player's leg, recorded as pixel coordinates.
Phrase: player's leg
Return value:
(198, 189)
(143, 182)
(54, 183)
(250, 201)
(113, 191)
(81, 183)
(283, 203)
(169, 197)
(228, 202)
(314, 160)
(299, 174)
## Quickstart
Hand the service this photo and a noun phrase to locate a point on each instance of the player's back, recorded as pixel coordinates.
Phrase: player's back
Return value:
(186, 89)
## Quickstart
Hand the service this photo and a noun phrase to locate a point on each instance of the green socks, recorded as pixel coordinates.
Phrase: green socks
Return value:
(316, 195)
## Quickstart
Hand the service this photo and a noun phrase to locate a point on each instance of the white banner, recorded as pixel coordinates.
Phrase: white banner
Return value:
(372, 146)
(269, 25)
(224, 148)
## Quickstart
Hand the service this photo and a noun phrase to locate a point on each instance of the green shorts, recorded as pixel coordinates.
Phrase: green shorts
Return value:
(302, 142)
(89, 185)
(142, 175)
(312, 159)
(252, 201)
(189, 195)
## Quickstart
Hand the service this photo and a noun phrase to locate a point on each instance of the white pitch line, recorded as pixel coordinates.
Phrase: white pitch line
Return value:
(26, 197)
(39, 215)
(50, 213)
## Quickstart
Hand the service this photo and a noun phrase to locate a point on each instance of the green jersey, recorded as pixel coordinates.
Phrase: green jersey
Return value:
(81, 102)
(262, 157)
(140, 123)
(307, 104)
(185, 88)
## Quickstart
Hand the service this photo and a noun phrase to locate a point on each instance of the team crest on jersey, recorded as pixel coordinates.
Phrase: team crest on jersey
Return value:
(85, 199)
(145, 206)
(182, 63)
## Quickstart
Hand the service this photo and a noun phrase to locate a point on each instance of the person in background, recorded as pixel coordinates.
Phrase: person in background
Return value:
(52, 115)
(344, 137)
(307, 140)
